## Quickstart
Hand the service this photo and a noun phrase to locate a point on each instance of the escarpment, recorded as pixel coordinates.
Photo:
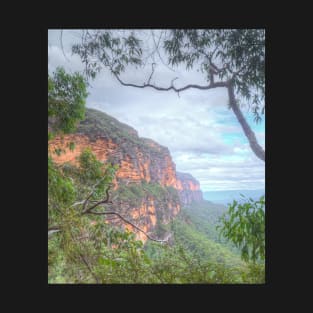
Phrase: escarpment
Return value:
(188, 188)
(147, 189)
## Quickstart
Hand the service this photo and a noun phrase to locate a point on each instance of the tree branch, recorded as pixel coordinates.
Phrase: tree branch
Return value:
(153, 64)
(210, 86)
(90, 195)
(89, 269)
(256, 148)
(61, 42)
(158, 52)
(53, 230)
(127, 222)
(106, 200)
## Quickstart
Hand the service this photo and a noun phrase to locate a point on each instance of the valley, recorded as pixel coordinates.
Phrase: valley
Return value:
(154, 201)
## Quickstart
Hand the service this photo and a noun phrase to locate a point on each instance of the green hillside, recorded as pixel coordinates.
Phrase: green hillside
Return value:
(195, 230)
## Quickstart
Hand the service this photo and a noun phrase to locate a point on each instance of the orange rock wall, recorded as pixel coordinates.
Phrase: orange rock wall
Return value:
(156, 167)
(131, 169)
(188, 188)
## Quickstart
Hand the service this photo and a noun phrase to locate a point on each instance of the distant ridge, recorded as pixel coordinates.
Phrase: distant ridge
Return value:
(227, 196)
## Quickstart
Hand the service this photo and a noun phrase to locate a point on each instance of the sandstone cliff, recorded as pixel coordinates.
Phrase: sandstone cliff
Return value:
(188, 189)
(146, 189)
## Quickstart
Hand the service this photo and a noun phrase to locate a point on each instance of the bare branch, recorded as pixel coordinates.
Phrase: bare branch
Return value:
(90, 195)
(153, 64)
(127, 222)
(158, 52)
(77, 203)
(89, 268)
(213, 69)
(172, 81)
(53, 228)
(151, 54)
(210, 86)
(106, 200)
(51, 232)
(61, 42)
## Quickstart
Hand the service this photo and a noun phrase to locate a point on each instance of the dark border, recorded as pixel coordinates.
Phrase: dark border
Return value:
(31, 244)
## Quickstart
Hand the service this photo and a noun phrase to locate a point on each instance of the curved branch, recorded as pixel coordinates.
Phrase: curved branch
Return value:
(256, 148)
(52, 230)
(158, 52)
(106, 200)
(127, 222)
(172, 81)
(210, 86)
(153, 64)
(89, 268)
(61, 42)
(55, 229)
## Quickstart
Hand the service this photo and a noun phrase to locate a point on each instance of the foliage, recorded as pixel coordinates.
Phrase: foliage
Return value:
(176, 265)
(75, 245)
(239, 53)
(155, 190)
(87, 250)
(206, 259)
(204, 217)
(66, 100)
(173, 193)
(136, 192)
(244, 225)
(115, 52)
(228, 58)
(235, 54)
(198, 242)
(73, 249)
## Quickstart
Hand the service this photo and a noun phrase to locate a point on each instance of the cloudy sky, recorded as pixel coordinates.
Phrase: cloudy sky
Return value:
(202, 134)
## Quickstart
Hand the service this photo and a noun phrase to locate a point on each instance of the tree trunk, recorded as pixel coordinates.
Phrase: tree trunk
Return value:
(256, 148)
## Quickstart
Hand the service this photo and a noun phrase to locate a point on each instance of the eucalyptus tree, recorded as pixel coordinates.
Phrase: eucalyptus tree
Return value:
(233, 59)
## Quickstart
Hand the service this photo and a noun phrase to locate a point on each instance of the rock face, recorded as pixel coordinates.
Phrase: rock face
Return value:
(188, 189)
(146, 188)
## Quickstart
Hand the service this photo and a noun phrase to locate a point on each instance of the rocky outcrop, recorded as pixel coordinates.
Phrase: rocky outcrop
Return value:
(146, 188)
(188, 189)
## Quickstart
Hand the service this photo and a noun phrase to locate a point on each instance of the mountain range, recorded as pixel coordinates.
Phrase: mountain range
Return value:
(227, 196)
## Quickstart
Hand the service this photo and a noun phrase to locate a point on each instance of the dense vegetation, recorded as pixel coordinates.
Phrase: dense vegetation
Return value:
(195, 232)
(136, 192)
(244, 225)
(66, 100)
(196, 226)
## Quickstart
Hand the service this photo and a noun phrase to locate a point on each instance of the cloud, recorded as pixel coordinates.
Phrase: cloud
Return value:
(202, 134)
(230, 172)
(56, 58)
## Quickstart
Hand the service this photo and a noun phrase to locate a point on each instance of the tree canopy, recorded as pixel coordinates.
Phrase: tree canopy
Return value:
(244, 225)
(66, 100)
